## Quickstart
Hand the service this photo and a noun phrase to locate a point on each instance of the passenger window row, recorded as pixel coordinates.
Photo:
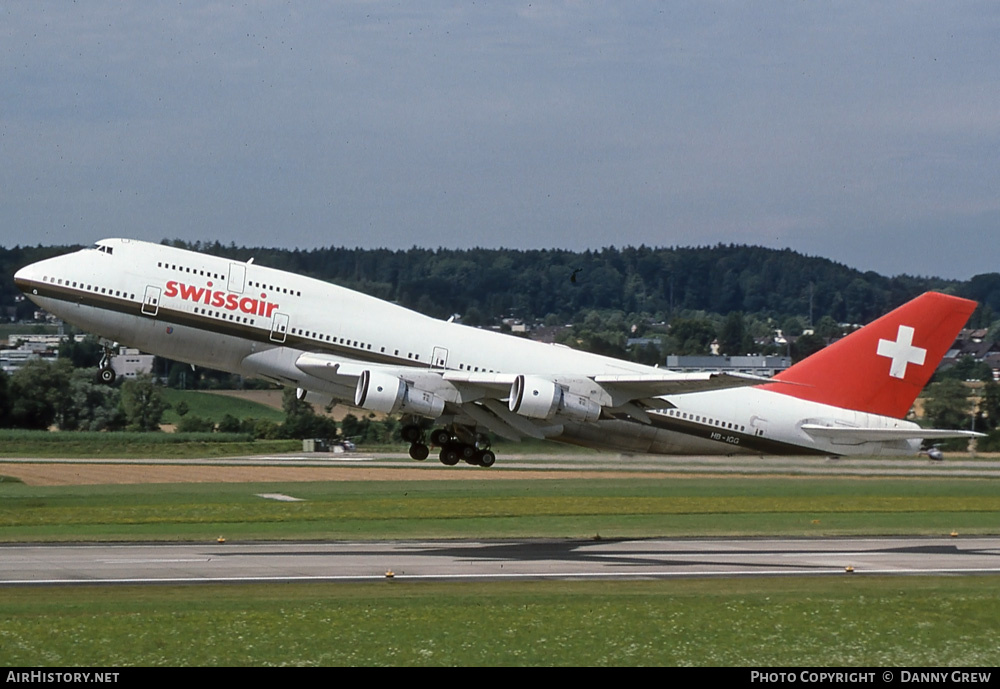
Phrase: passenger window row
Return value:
(704, 419)
(217, 276)
(225, 316)
(96, 289)
(186, 269)
(275, 288)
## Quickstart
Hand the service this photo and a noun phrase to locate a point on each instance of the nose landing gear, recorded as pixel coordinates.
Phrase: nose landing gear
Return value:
(105, 373)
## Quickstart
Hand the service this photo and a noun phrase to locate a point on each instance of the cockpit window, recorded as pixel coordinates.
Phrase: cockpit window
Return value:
(103, 249)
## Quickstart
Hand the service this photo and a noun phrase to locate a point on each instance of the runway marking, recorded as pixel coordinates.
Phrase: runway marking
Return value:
(280, 497)
(313, 458)
(136, 561)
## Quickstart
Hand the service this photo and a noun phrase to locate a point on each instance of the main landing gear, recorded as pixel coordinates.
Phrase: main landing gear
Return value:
(105, 373)
(453, 444)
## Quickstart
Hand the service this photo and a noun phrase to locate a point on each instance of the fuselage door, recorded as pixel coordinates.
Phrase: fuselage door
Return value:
(151, 300)
(237, 277)
(758, 424)
(439, 358)
(279, 327)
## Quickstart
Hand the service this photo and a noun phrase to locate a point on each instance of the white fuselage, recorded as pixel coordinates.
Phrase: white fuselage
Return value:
(257, 321)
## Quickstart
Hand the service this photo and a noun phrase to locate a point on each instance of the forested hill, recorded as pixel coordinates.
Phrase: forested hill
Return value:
(483, 284)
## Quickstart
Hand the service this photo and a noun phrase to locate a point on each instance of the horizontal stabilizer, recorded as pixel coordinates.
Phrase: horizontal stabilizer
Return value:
(863, 435)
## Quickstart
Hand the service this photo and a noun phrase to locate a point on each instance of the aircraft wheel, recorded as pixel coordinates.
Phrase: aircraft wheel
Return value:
(440, 437)
(419, 451)
(449, 455)
(487, 458)
(411, 433)
(468, 453)
(107, 375)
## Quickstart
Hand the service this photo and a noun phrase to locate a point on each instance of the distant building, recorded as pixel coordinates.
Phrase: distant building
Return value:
(13, 359)
(974, 343)
(129, 362)
(50, 340)
(643, 342)
(754, 365)
(548, 333)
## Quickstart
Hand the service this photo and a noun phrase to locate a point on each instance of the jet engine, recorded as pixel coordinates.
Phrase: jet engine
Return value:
(539, 398)
(320, 399)
(378, 391)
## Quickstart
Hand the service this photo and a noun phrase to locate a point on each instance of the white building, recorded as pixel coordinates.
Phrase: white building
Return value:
(131, 362)
(754, 365)
(13, 359)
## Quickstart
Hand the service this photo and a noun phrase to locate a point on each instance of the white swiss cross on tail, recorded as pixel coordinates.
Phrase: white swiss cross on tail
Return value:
(902, 352)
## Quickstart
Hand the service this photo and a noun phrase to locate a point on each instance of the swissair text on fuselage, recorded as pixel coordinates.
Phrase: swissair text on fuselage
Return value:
(221, 300)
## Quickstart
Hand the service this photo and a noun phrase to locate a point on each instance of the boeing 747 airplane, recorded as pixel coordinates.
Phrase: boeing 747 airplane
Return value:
(334, 344)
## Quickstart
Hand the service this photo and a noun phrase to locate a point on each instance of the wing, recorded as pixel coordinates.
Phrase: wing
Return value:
(511, 405)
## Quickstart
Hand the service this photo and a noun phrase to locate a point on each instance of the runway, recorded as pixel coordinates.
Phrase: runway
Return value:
(492, 560)
(486, 560)
(399, 467)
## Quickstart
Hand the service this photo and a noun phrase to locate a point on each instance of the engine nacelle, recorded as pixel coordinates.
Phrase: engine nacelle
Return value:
(540, 398)
(320, 399)
(378, 391)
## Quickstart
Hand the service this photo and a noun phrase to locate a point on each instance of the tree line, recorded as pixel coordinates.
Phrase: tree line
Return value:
(46, 394)
(535, 284)
(485, 284)
(685, 298)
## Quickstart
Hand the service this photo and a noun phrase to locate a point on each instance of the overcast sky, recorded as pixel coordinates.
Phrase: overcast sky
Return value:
(866, 132)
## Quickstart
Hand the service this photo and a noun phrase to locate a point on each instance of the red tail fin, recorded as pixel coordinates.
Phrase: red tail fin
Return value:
(882, 367)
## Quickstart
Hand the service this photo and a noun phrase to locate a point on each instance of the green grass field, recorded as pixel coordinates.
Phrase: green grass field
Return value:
(213, 407)
(849, 621)
(492, 508)
(762, 622)
(125, 445)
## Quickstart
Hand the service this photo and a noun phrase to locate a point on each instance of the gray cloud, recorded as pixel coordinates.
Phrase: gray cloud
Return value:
(864, 132)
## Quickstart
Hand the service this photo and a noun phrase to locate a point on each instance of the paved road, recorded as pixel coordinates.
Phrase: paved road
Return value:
(493, 560)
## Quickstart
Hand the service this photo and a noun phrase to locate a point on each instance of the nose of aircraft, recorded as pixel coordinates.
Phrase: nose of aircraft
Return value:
(30, 277)
(24, 277)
